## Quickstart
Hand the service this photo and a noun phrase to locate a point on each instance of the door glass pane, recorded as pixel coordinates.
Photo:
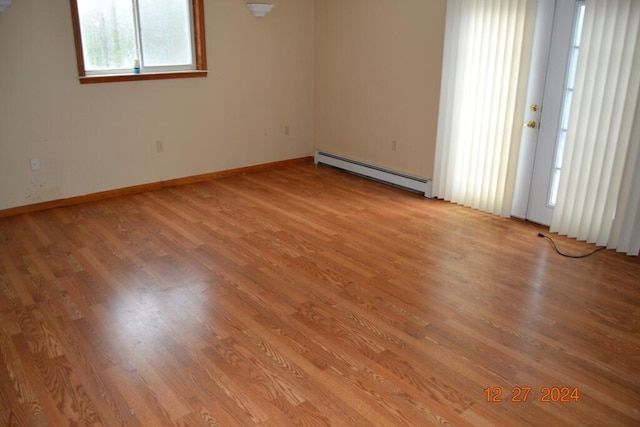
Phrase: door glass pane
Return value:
(561, 141)
(108, 35)
(165, 27)
(573, 63)
(566, 104)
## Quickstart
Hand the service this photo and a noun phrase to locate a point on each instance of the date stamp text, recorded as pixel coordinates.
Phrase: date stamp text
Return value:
(521, 394)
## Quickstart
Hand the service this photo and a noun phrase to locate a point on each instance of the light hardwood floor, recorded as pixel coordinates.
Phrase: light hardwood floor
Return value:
(307, 296)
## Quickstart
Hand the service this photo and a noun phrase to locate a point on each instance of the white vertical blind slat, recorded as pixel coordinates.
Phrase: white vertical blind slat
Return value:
(598, 198)
(485, 70)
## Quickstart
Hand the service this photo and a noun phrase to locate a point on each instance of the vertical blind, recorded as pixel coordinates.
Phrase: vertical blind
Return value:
(599, 193)
(485, 71)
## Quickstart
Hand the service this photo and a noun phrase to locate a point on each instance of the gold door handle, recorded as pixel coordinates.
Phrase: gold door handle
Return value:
(531, 124)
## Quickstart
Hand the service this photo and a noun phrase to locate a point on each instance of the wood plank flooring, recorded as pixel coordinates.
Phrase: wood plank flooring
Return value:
(307, 296)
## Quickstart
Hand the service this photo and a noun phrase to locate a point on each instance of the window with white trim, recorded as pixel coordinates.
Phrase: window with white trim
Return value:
(566, 102)
(139, 39)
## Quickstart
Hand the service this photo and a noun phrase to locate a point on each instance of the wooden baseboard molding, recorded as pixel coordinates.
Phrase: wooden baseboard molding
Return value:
(19, 210)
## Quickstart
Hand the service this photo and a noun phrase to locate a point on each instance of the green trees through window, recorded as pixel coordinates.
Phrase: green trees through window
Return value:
(108, 34)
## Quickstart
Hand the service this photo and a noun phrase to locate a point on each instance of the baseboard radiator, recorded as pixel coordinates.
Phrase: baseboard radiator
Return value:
(398, 179)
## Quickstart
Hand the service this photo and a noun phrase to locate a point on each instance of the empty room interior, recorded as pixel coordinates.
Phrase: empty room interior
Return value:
(319, 212)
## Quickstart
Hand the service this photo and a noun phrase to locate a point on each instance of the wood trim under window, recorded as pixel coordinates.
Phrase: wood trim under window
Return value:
(200, 52)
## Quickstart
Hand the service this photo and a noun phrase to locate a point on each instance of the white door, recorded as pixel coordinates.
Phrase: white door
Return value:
(552, 48)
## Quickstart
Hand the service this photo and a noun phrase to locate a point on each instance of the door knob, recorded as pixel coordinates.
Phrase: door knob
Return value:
(531, 124)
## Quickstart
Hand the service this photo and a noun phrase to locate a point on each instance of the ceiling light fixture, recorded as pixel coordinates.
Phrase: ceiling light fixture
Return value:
(259, 9)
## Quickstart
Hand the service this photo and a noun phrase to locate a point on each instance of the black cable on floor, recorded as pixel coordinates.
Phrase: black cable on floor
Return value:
(569, 255)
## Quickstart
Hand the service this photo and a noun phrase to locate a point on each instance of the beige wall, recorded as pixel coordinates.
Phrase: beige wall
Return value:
(378, 68)
(91, 138)
(370, 72)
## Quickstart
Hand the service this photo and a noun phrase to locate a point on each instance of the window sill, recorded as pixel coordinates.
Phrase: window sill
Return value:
(110, 78)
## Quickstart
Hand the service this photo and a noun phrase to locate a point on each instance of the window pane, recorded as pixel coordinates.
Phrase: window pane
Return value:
(580, 22)
(573, 65)
(555, 184)
(566, 109)
(560, 150)
(108, 37)
(165, 27)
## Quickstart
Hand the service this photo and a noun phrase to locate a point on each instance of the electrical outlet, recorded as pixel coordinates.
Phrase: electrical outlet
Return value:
(160, 146)
(286, 130)
(35, 164)
(393, 145)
